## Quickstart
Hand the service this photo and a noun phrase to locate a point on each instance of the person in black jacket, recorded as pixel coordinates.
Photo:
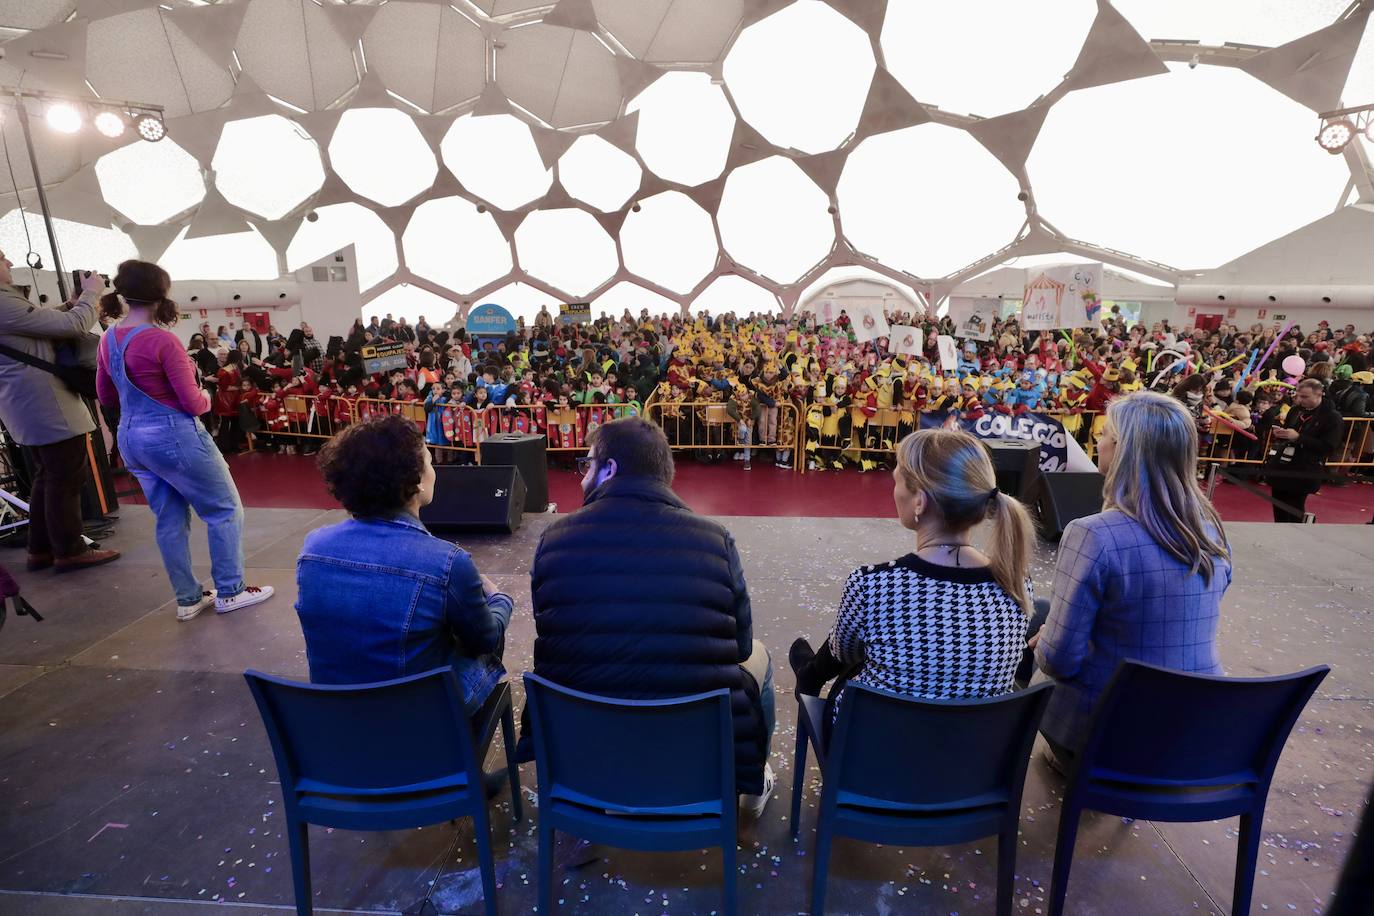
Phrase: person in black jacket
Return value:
(1310, 434)
(636, 597)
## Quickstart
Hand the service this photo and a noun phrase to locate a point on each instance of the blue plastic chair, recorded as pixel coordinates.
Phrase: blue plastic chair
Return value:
(654, 775)
(1168, 746)
(385, 756)
(917, 772)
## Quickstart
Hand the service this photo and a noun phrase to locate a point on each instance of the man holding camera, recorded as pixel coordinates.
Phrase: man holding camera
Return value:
(1309, 436)
(48, 418)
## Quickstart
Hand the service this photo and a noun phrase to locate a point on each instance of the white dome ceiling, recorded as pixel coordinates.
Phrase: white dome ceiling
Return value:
(684, 150)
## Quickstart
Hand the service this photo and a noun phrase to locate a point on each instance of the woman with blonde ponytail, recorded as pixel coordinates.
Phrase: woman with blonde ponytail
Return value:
(947, 621)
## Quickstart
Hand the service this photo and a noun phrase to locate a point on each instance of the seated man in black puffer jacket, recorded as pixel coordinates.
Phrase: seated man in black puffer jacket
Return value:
(636, 597)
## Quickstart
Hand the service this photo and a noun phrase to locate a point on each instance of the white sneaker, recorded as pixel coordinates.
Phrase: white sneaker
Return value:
(754, 804)
(247, 598)
(739, 456)
(186, 611)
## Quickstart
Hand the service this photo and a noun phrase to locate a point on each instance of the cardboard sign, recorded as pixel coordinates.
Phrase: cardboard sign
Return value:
(949, 353)
(905, 340)
(973, 317)
(1062, 296)
(575, 313)
(867, 320)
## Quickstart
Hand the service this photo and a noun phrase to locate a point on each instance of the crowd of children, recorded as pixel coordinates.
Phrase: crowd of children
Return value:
(761, 378)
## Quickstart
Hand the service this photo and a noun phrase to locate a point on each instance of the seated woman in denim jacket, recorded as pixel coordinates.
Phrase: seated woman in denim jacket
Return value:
(379, 596)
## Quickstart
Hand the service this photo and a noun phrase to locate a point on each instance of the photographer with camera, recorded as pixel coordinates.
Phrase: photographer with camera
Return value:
(1309, 435)
(43, 412)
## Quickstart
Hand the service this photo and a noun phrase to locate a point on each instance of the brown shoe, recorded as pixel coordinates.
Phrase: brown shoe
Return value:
(85, 560)
(38, 561)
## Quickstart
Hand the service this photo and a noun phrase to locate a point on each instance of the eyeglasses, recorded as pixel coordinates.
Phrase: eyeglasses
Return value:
(584, 464)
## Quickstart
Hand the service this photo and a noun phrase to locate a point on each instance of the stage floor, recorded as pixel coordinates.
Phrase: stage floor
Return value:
(135, 776)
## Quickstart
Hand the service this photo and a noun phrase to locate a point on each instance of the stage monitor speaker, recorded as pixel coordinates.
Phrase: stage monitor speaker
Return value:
(530, 454)
(1016, 463)
(475, 497)
(1066, 496)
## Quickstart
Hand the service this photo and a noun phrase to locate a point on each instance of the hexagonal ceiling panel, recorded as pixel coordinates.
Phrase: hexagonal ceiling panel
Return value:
(380, 154)
(671, 31)
(341, 225)
(685, 126)
(532, 61)
(927, 199)
(145, 56)
(494, 156)
(733, 293)
(293, 51)
(124, 183)
(267, 165)
(941, 51)
(774, 220)
(801, 76)
(450, 243)
(83, 247)
(566, 248)
(240, 256)
(1186, 204)
(599, 174)
(671, 241)
(428, 53)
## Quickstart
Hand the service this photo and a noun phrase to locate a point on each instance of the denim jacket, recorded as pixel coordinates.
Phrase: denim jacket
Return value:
(383, 598)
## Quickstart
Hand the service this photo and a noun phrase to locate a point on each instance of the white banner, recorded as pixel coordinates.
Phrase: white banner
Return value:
(973, 317)
(949, 354)
(867, 320)
(1062, 296)
(905, 340)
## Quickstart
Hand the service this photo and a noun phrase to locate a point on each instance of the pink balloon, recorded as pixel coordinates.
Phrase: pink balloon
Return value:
(1294, 365)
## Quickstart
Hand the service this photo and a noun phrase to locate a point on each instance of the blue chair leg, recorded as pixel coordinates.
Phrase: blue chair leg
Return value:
(729, 877)
(481, 831)
(508, 740)
(1063, 856)
(798, 777)
(545, 876)
(1247, 851)
(821, 863)
(1006, 869)
(298, 839)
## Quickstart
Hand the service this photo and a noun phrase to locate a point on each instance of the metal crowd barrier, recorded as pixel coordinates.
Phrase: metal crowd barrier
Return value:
(706, 426)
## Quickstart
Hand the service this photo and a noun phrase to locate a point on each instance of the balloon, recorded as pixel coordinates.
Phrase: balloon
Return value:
(1294, 365)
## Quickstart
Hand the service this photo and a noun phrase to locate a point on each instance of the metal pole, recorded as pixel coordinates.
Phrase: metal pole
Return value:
(42, 198)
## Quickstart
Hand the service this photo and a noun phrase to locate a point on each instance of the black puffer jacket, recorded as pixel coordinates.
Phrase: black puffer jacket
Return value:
(637, 598)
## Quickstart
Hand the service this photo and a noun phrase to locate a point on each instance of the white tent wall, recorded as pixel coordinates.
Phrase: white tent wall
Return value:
(859, 290)
(1321, 272)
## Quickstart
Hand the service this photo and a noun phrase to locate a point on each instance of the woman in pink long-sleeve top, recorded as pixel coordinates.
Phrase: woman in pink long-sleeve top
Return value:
(144, 370)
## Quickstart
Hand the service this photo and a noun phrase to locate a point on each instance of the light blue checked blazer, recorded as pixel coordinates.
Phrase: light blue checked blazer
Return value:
(1118, 595)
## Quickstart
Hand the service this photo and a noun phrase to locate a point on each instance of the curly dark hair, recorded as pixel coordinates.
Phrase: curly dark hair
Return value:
(374, 467)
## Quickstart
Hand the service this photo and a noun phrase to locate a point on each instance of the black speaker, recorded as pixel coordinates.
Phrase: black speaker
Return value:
(1066, 496)
(472, 497)
(1016, 463)
(530, 454)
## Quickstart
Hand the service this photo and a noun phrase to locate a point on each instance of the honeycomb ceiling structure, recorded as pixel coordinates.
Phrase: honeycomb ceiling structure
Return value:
(700, 153)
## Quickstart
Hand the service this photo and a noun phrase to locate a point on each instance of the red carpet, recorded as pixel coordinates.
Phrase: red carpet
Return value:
(291, 481)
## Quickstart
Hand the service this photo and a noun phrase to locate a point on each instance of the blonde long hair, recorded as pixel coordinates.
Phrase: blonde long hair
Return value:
(953, 469)
(1153, 479)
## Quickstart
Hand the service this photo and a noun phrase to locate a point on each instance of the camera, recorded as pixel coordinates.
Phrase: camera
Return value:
(79, 275)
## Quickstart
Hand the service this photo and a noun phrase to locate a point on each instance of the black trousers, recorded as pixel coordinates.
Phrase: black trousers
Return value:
(60, 471)
(1297, 498)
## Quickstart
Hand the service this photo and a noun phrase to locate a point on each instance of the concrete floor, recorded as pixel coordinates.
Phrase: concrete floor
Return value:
(135, 776)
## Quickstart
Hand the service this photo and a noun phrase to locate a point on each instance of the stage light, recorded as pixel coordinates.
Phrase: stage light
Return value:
(151, 128)
(110, 123)
(64, 118)
(1334, 135)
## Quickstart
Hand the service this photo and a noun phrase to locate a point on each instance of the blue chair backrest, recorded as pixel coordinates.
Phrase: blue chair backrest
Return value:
(1156, 725)
(633, 755)
(366, 738)
(932, 753)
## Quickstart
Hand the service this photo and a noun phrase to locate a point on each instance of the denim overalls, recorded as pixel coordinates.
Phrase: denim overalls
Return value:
(179, 467)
